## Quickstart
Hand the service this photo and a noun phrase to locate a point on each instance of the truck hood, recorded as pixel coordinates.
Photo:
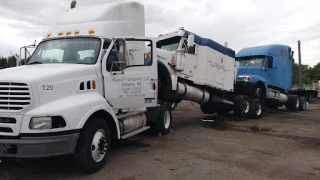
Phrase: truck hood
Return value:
(39, 72)
(50, 82)
(249, 71)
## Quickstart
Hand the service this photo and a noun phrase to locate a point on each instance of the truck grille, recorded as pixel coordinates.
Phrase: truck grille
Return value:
(14, 96)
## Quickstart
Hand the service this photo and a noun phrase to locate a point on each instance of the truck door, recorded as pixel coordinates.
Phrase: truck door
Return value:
(268, 70)
(130, 73)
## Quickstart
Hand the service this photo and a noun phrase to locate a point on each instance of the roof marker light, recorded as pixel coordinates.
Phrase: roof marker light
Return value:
(91, 32)
(68, 33)
(60, 34)
(49, 35)
(77, 32)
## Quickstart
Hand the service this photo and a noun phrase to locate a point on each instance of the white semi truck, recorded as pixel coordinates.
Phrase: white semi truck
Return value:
(96, 79)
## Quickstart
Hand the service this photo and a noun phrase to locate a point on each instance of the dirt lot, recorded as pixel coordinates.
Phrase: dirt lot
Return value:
(282, 145)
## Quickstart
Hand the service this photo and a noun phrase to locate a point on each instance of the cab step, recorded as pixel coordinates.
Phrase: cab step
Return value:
(125, 136)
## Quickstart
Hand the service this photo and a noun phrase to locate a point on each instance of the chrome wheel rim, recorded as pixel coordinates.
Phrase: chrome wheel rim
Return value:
(99, 145)
(259, 109)
(297, 103)
(246, 106)
(167, 119)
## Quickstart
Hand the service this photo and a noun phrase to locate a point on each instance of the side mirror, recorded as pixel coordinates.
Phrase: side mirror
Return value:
(190, 40)
(291, 55)
(121, 50)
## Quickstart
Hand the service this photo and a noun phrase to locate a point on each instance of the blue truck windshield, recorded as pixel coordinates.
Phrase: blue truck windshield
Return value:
(250, 61)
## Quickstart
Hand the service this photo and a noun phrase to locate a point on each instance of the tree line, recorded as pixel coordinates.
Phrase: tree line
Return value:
(308, 74)
(6, 62)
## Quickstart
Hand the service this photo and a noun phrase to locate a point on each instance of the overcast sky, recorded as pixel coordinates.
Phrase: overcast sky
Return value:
(241, 23)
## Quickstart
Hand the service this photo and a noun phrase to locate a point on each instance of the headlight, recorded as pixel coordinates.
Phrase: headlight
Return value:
(39, 123)
(244, 78)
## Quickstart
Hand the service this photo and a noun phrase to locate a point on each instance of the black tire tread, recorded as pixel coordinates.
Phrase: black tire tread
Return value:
(81, 158)
(237, 105)
(252, 112)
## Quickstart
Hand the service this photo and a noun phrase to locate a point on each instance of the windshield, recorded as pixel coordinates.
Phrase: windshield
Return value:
(169, 44)
(70, 50)
(249, 61)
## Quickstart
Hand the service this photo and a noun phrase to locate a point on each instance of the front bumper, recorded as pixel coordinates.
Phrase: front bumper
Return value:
(242, 87)
(38, 146)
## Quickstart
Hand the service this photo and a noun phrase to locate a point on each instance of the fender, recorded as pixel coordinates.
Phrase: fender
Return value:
(169, 75)
(74, 109)
(255, 79)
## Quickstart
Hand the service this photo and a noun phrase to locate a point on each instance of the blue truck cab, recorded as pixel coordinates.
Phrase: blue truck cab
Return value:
(264, 67)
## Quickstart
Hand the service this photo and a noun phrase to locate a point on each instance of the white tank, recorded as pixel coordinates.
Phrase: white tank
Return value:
(112, 19)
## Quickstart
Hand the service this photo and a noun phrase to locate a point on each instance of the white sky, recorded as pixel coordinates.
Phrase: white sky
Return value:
(241, 23)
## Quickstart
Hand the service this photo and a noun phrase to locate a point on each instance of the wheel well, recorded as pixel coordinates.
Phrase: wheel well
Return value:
(164, 83)
(164, 75)
(261, 85)
(101, 114)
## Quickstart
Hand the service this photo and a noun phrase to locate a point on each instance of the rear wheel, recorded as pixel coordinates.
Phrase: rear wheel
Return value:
(303, 103)
(163, 123)
(293, 103)
(256, 110)
(93, 146)
(241, 105)
(207, 108)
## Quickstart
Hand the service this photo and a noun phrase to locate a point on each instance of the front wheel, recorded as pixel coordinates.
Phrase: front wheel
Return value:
(256, 109)
(93, 146)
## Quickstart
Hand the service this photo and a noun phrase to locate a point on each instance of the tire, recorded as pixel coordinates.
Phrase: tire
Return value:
(293, 103)
(256, 109)
(207, 108)
(163, 124)
(303, 105)
(94, 139)
(241, 105)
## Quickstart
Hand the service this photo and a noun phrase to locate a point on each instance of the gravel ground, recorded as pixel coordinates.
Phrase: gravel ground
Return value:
(281, 145)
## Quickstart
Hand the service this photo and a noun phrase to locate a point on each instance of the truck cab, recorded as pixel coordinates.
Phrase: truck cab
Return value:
(271, 65)
(89, 82)
(266, 72)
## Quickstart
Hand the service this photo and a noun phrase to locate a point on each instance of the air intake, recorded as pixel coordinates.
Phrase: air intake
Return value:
(14, 96)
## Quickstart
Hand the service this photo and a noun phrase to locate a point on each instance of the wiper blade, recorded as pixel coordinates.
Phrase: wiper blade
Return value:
(35, 62)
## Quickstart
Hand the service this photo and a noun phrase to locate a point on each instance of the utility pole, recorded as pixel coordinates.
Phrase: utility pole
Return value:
(300, 73)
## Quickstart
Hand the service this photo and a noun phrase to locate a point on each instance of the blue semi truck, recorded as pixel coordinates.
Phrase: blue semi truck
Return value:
(264, 75)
